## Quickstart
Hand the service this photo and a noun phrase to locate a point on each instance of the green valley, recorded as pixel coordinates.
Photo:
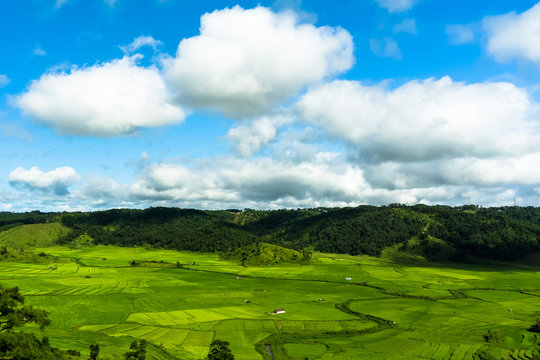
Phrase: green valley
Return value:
(271, 302)
(385, 310)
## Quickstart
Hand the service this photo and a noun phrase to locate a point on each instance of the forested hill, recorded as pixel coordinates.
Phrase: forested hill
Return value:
(505, 233)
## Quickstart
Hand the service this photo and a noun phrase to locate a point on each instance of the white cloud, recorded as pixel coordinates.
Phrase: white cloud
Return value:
(223, 182)
(462, 171)
(4, 80)
(60, 3)
(438, 135)
(247, 139)
(396, 5)
(459, 34)
(520, 170)
(244, 61)
(38, 50)
(57, 180)
(422, 120)
(406, 26)
(6, 207)
(514, 35)
(108, 99)
(326, 179)
(386, 47)
(139, 42)
(104, 193)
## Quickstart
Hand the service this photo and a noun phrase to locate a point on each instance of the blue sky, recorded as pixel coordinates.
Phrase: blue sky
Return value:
(268, 104)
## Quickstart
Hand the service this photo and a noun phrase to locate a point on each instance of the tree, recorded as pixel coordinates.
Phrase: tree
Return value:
(535, 327)
(137, 351)
(482, 355)
(17, 344)
(94, 351)
(307, 254)
(13, 313)
(493, 336)
(219, 350)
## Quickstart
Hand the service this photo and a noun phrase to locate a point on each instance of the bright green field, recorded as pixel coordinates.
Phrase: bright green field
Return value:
(387, 311)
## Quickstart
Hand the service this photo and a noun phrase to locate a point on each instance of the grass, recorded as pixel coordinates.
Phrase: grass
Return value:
(386, 310)
(32, 235)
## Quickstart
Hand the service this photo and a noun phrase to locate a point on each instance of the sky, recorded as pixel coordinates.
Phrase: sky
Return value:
(268, 104)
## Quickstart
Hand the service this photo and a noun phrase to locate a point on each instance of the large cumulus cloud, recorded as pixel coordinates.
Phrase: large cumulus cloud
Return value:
(244, 61)
(424, 120)
(108, 99)
(479, 139)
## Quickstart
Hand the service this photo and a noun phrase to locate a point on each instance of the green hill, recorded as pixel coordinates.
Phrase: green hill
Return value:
(262, 254)
(432, 232)
(32, 235)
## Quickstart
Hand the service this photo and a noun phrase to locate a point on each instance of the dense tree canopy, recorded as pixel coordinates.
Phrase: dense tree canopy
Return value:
(13, 313)
(219, 350)
(503, 233)
(137, 351)
(19, 345)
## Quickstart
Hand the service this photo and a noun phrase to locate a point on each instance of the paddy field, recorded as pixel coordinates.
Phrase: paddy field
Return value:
(179, 302)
